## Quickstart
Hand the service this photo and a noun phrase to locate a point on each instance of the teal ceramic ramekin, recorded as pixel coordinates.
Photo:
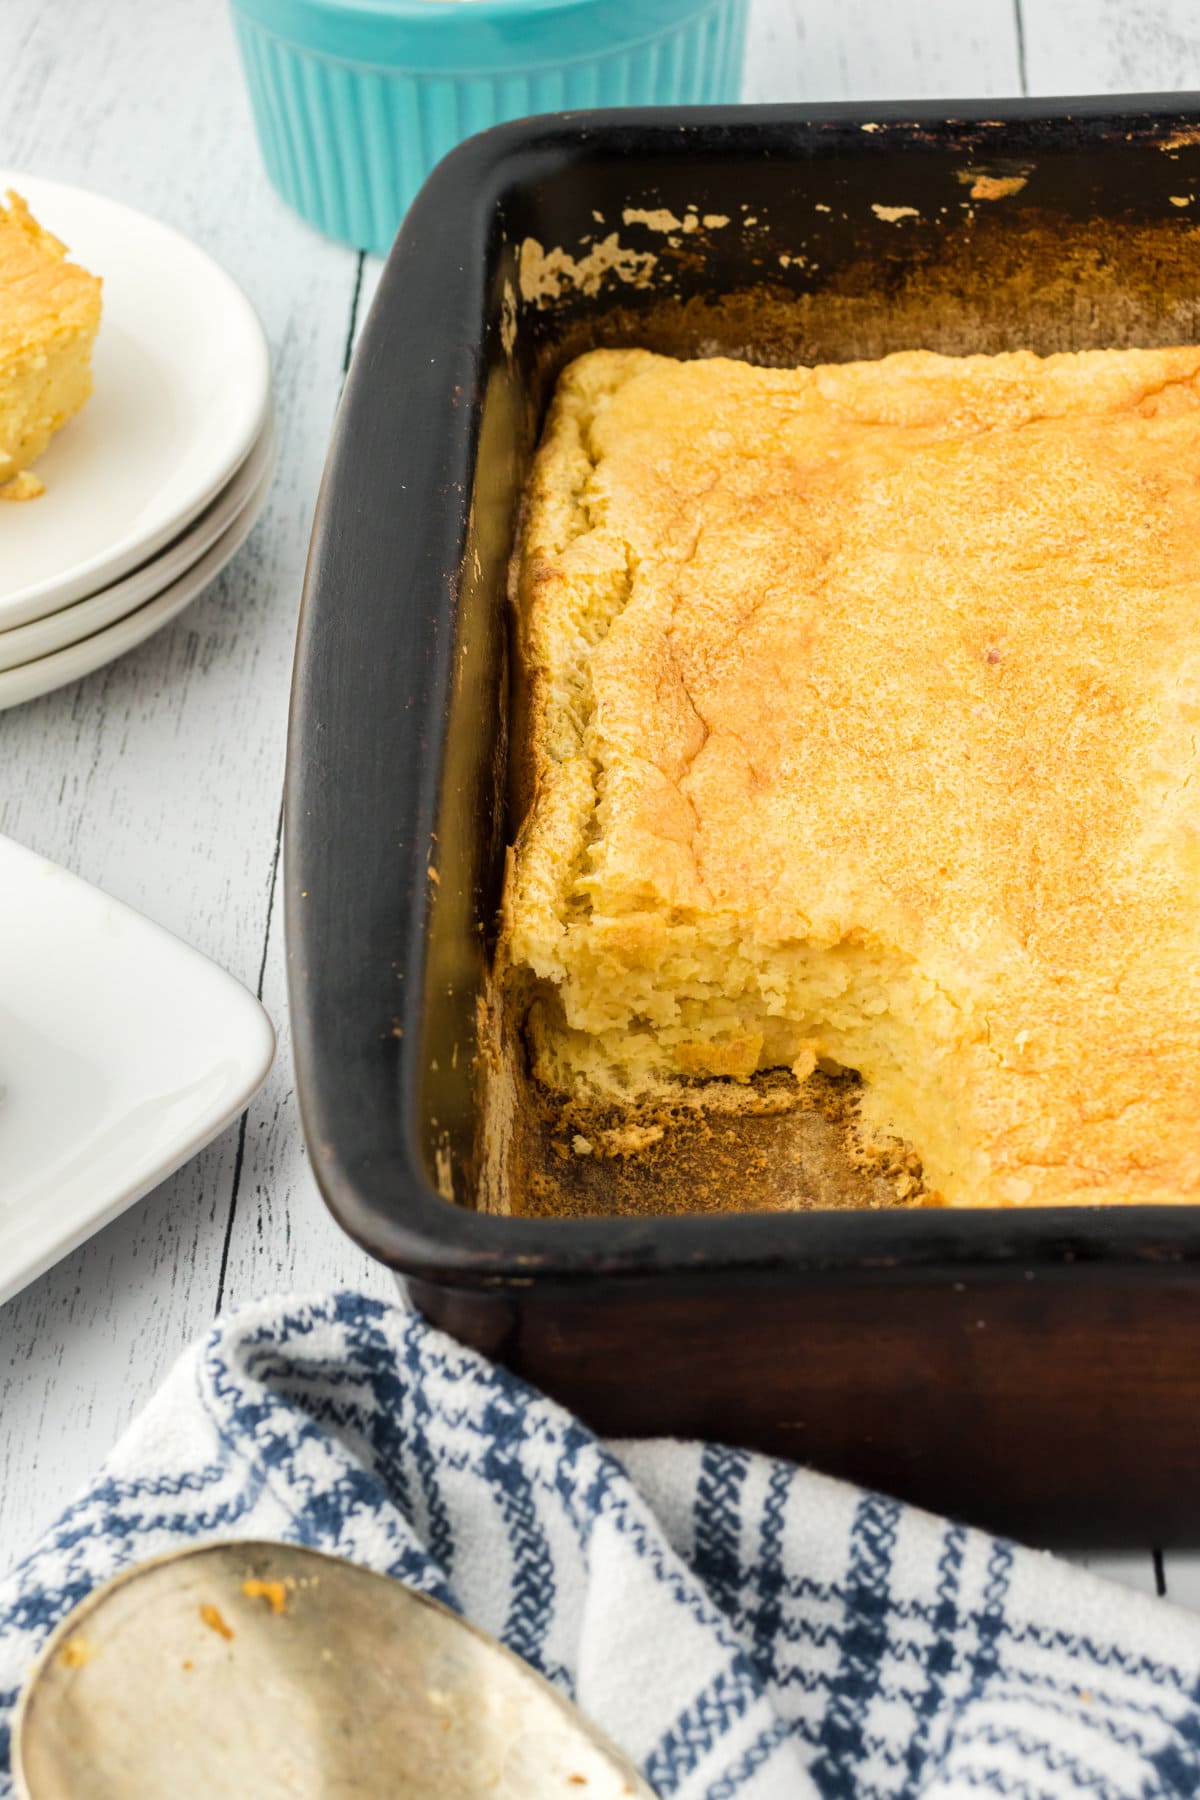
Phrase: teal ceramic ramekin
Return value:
(356, 100)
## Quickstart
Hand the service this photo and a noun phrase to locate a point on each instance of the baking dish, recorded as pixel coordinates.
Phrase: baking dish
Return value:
(1011, 1367)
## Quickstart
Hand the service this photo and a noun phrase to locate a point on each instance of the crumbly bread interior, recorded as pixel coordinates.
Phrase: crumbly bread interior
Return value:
(49, 316)
(862, 711)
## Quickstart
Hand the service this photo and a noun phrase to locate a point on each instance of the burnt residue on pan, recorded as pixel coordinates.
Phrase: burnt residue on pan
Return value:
(768, 1145)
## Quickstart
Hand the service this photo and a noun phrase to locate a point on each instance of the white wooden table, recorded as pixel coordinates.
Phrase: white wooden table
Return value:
(160, 778)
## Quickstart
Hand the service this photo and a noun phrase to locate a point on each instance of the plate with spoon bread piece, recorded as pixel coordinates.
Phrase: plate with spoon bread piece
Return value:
(134, 382)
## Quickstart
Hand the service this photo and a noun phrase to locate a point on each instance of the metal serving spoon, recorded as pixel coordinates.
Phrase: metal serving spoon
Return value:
(265, 1670)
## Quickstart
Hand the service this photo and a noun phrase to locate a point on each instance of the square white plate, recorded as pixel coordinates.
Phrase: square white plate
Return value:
(122, 1052)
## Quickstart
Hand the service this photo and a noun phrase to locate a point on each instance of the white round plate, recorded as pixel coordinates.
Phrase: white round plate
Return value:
(182, 386)
(26, 643)
(64, 666)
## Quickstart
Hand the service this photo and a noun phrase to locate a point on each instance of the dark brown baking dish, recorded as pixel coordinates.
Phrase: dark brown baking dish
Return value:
(1035, 1371)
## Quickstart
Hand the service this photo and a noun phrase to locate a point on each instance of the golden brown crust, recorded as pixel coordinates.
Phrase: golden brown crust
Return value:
(40, 290)
(49, 315)
(864, 708)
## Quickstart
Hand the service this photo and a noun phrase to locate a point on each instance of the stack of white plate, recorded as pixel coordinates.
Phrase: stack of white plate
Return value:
(156, 483)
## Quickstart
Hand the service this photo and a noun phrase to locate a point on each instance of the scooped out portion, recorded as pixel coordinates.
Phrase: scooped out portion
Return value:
(860, 711)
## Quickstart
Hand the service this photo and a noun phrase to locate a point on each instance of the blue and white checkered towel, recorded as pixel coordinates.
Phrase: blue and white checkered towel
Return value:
(741, 1627)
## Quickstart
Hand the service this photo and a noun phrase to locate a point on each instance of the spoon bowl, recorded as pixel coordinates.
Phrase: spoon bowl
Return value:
(267, 1669)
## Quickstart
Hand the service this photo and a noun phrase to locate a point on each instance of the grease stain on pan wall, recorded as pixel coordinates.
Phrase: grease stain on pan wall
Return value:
(661, 218)
(544, 274)
(508, 319)
(1186, 138)
(892, 215)
(994, 183)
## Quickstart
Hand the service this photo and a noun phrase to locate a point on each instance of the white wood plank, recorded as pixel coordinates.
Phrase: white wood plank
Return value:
(1110, 47)
(873, 50)
(283, 1240)
(1181, 1577)
(85, 1347)
(372, 269)
(160, 777)
(1131, 1568)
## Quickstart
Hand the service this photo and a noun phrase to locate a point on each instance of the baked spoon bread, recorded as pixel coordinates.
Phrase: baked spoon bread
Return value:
(49, 316)
(861, 714)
